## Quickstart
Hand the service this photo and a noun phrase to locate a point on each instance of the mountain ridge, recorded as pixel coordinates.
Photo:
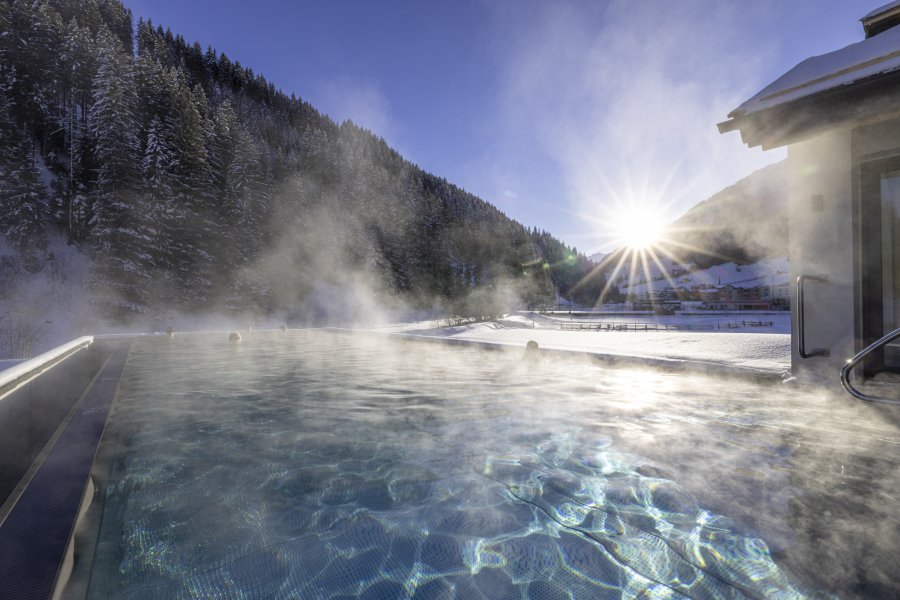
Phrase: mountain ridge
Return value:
(743, 223)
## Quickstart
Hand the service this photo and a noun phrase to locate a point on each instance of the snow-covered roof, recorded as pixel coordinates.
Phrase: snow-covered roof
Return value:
(816, 93)
(881, 10)
(873, 56)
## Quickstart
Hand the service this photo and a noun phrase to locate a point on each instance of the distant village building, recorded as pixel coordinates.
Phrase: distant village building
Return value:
(729, 297)
(839, 115)
(720, 297)
(781, 295)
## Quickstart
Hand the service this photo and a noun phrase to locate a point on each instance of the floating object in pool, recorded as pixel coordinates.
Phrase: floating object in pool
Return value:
(283, 327)
(234, 337)
(531, 347)
(170, 332)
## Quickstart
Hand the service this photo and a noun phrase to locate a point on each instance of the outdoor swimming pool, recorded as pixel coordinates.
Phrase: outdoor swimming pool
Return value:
(320, 465)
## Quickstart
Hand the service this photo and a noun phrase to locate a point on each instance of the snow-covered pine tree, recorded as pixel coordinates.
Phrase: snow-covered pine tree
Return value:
(192, 234)
(22, 195)
(123, 267)
(114, 127)
(76, 67)
(221, 150)
(158, 165)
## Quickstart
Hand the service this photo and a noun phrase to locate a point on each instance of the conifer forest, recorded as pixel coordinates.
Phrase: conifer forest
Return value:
(194, 183)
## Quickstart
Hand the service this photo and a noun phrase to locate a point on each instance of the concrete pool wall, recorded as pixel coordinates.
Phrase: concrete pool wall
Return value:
(35, 397)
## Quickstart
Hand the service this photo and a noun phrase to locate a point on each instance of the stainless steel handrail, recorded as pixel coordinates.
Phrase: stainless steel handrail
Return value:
(801, 319)
(851, 363)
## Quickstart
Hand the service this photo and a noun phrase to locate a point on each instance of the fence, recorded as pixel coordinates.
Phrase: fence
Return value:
(610, 326)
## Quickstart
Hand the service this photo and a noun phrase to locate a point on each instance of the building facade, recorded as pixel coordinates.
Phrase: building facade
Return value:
(839, 116)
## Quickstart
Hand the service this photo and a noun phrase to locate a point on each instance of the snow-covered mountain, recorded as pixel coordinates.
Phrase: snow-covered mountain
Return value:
(770, 271)
(744, 223)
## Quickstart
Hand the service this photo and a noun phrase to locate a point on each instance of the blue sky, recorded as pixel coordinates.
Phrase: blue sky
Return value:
(557, 112)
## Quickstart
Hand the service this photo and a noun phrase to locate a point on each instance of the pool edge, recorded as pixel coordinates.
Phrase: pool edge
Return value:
(697, 367)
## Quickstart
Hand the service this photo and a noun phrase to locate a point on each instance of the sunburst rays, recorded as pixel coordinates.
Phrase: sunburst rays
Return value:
(644, 243)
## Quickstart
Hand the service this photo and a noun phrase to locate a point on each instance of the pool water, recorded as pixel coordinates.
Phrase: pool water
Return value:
(320, 465)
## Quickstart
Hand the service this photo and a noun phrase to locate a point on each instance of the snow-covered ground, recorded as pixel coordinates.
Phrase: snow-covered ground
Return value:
(723, 321)
(747, 351)
(768, 353)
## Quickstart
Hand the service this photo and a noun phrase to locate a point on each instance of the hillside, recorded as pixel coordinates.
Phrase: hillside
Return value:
(193, 184)
(744, 223)
(769, 271)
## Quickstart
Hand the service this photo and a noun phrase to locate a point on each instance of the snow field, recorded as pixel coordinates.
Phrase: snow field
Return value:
(768, 353)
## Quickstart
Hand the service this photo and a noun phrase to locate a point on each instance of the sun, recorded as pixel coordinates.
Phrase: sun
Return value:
(638, 227)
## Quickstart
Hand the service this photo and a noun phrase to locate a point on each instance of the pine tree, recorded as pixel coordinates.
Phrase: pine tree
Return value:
(123, 268)
(192, 235)
(22, 201)
(113, 122)
(222, 149)
(77, 66)
(159, 165)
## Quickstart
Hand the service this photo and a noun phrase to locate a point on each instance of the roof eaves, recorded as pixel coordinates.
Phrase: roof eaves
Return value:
(806, 116)
(883, 12)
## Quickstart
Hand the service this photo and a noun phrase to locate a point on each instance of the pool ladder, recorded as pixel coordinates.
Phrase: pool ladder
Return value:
(858, 358)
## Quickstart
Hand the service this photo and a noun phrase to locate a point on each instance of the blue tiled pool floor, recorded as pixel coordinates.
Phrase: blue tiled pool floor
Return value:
(308, 465)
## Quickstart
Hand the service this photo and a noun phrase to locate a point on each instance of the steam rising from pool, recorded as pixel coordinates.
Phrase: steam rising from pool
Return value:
(321, 465)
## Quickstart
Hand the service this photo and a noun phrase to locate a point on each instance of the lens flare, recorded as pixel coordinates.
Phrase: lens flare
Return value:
(645, 244)
(639, 227)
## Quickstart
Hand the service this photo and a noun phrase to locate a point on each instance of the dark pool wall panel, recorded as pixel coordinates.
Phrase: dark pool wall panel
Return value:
(36, 534)
(30, 415)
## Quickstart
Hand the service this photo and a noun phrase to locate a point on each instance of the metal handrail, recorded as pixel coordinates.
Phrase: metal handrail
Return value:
(851, 363)
(801, 319)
